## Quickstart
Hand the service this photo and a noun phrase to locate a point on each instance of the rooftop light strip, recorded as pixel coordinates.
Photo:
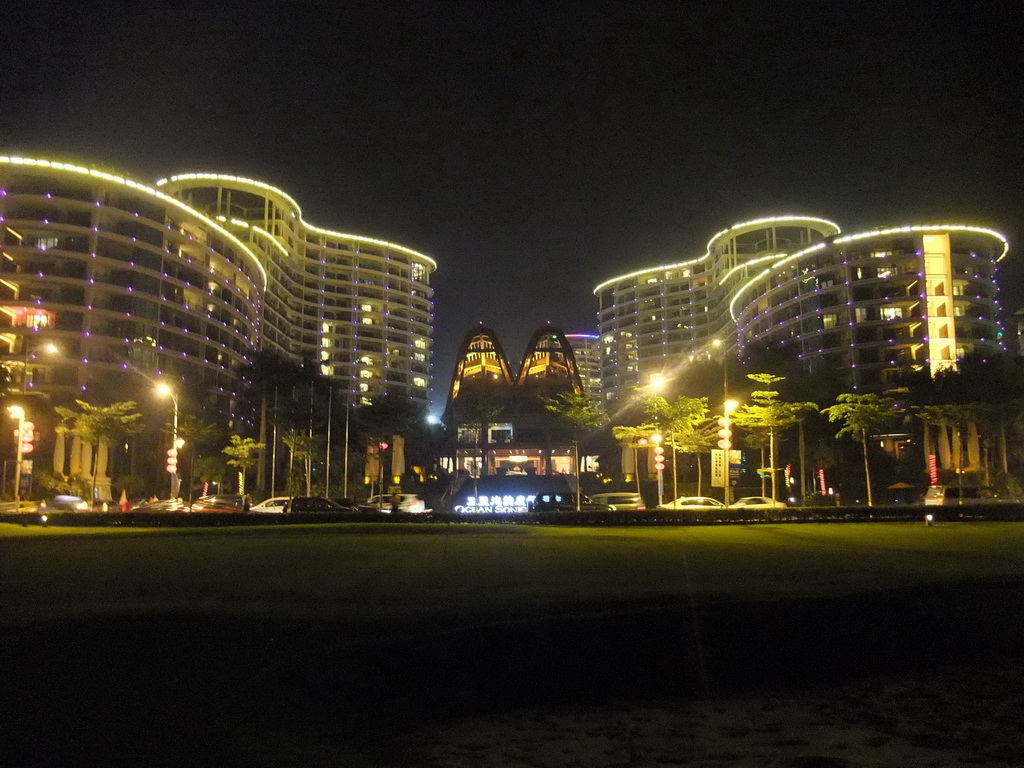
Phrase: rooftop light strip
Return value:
(863, 236)
(9, 160)
(711, 242)
(298, 209)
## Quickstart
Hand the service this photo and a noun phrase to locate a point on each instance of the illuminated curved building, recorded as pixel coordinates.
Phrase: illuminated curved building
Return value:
(498, 422)
(871, 303)
(361, 307)
(189, 278)
(878, 302)
(653, 320)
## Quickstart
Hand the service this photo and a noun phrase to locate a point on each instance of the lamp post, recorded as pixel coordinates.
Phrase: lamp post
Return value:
(726, 444)
(17, 412)
(165, 391)
(659, 465)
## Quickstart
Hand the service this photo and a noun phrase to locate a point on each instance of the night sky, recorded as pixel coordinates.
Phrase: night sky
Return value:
(534, 148)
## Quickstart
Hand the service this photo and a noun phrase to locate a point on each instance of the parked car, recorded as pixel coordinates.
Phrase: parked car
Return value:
(566, 502)
(758, 502)
(314, 504)
(63, 503)
(956, 495)
(25, 505)
(694, 502)
(161, 505)
(273, 504)
(221, 503)
(408, 502)
(620, 501)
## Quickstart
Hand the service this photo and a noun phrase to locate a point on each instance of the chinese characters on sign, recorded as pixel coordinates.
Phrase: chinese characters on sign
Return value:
(497, 504)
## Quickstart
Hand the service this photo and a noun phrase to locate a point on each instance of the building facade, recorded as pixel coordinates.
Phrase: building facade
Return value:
(879, 302)
(362, 308)
(913, 296)
(497, 421)
(587, 349)
(189, 278)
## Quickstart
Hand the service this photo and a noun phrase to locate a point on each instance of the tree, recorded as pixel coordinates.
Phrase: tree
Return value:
(96, 425)
(630, 437)
(580, 413)
(242, 454)
(684, 424)
(861, 415)
(196, 434)
(208, 469)
(300, 446)
(770, 413)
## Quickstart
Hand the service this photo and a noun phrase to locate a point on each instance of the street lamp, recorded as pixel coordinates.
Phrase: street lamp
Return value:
(172, 466)
(48, 348)
(726, 445)
(18, 413)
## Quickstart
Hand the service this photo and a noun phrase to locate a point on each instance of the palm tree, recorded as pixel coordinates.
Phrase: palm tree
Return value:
(862, 414)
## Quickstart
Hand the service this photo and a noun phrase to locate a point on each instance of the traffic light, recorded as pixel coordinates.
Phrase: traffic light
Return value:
(172, 460)
(724, 434)
(26, 437)
(659, 458)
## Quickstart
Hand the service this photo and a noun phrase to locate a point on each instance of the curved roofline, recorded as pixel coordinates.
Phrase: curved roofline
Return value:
(35, 162)
(862, 236)
(298, 209)
(716, 236)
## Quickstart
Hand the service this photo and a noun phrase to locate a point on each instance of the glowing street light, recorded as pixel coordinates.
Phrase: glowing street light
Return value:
(725, 443)
(48, 348)
(164, 390)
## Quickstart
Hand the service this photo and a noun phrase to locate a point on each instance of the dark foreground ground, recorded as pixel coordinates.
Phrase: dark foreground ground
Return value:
(185, 689)
(174, 690)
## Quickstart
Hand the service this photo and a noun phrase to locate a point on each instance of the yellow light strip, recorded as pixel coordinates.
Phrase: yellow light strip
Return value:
(711, 242)
(298, 210)
(272, 239)
(140, 188)
(863, 236)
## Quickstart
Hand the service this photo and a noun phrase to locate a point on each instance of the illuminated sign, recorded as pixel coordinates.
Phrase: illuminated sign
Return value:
(501, 505)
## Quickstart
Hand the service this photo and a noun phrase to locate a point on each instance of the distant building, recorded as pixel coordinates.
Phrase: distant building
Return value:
(870, 303)
(497, 420)
(587, 349)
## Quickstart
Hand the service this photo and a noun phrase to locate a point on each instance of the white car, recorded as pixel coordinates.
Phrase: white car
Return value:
(758, 502)
(273, 504)
(408, 502)
(694, 502)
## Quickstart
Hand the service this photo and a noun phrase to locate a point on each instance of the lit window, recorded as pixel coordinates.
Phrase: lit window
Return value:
(364, 387)
(367, 321)
(420, 344)
(891, 313)
(828, 321)
(366, 307)
(419, 381)
(364, 374)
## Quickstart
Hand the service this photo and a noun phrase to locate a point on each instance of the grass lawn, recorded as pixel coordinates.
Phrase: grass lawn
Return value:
(371, 577)
(317, 645)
